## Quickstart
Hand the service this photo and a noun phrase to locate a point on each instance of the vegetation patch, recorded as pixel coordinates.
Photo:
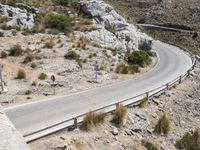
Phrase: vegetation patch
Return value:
(21, 74)
(189, 141)
(72, 55)
(143, 102)
(163, 126)
(42, 76)
(122, 68)
(1, 34)
(50, 44)
(29, 58)
(149, 145)
(92, 119)
(3, 54)
(140, 58)
(119, 116)
(16, 50)
(59, 22)
(73, 4)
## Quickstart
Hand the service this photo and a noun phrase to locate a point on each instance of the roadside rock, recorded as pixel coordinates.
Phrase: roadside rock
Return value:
(114, 131)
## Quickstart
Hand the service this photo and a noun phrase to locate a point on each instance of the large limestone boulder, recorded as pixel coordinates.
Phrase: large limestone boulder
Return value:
(10, 138)
(17, 16)
(112, 29)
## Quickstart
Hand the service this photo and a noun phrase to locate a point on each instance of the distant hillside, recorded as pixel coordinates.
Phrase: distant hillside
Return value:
(180, 12)
(176, 13)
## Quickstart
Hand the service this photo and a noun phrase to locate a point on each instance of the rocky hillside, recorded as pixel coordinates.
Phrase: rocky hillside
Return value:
(174, 12)
(67, 42)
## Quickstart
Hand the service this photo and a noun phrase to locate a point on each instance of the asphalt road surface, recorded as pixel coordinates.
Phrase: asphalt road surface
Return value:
(35, 116)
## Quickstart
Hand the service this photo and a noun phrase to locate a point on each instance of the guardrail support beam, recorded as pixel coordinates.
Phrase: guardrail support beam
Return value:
(188, 73)
(180, 79)
(75, 123)
(147, 96)
(167, 85)
(117, 105)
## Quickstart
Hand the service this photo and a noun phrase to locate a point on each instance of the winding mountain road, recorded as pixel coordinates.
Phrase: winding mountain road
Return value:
(36, 116)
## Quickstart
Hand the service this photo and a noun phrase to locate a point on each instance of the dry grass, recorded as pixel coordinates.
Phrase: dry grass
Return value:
(143, 103)
(3, 54)
(50, 44)
(189, 141)
(42, 76)
(163, 126)
(21, 74)
(16, 50)
(29, 58)
(149, 145)
(92, 119)
(119, 116)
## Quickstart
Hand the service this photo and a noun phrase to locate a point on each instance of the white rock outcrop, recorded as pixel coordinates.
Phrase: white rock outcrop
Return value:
(10, 138)
(112, 29)
(17, 16)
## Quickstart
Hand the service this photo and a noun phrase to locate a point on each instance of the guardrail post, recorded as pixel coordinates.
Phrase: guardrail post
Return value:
(117, 105)
(147, 95)
(75, 123)
(180, 79)
(188, 73)
(167, 85)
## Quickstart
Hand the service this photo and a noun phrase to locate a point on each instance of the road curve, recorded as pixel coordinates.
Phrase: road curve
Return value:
(35, 116)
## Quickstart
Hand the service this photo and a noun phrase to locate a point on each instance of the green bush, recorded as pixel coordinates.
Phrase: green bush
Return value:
(3, 54)
(149, 145)
(38, 18)
(72, 55)
(61, 2)
(59, 22)
(42, 76)
(140, 58)
(119, 115)
(189, 141)
(163, 126)
(71, 3)
(92, 119)
(21, 74)
(16, 50)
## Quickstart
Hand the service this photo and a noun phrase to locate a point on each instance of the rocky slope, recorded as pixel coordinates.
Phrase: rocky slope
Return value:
(17, 16)
(181, 107)
(112, 29)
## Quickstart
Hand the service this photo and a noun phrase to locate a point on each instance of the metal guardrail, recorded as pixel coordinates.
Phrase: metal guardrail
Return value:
(73, 121)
